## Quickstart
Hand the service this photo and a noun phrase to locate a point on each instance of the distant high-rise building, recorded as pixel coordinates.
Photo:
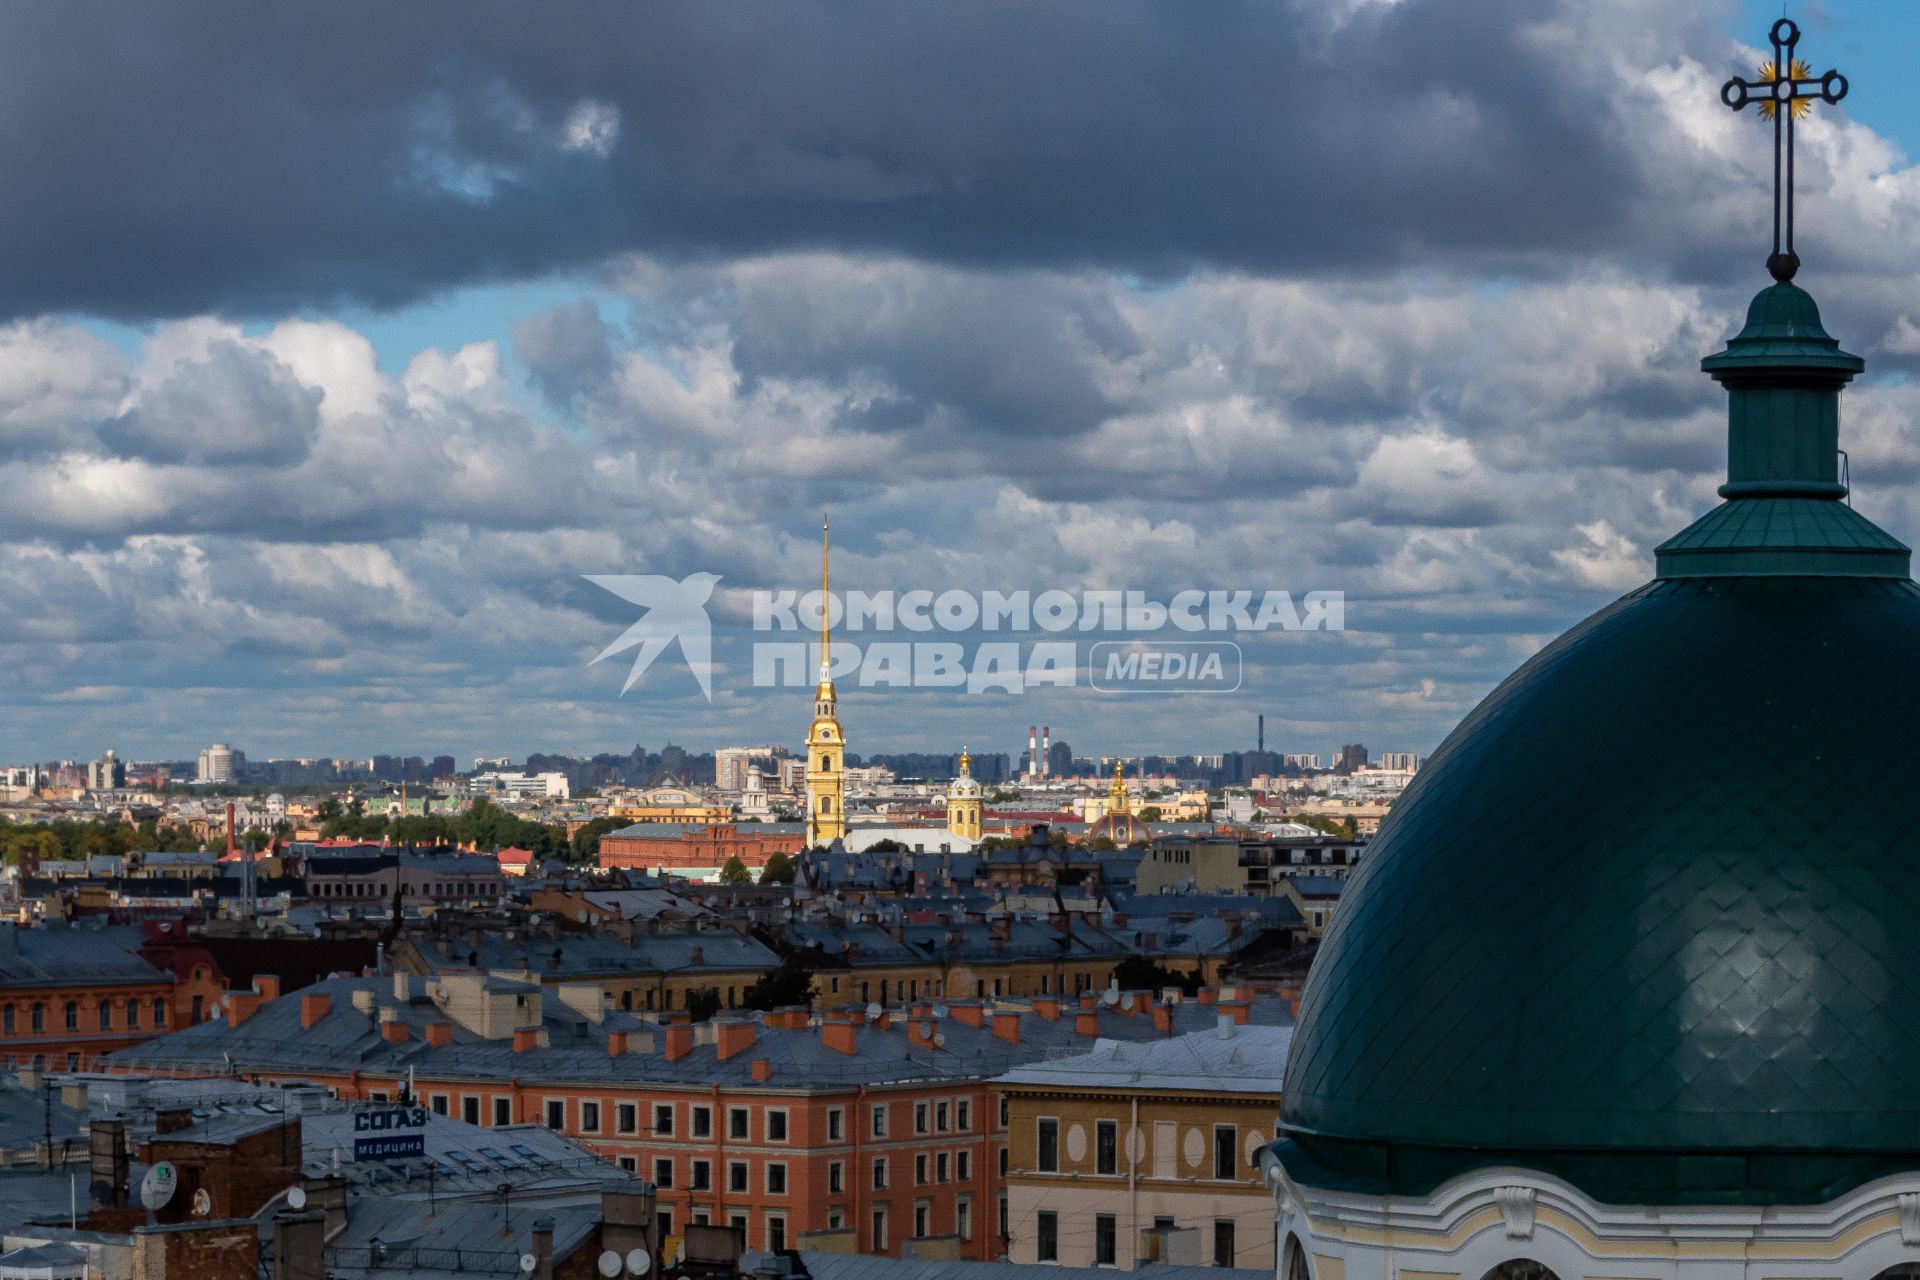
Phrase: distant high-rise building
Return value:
(217, 763)
(1059, 760)
(1352, 756)
(1400, 761)
(108, 773)
(444, 767)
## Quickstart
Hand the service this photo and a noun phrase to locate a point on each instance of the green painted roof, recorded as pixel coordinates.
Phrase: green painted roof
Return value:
(1646, 919)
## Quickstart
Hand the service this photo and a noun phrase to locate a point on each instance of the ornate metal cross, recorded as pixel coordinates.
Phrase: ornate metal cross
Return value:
(1785, 91)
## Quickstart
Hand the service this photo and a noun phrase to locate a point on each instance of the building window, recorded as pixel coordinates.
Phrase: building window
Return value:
(440, 1103)
(879, 1115)
(626, 1117)
(1047, 1243)
(1104, 1253)
(1106, 1144)
(589, 1117)
(879, 1173)
(776, 1232)
(630, 1163)
(663, 1172)
(503, 1111)
(776, 1126)
(736, 1123)
(919, 1117)
(1226, 1143)
(920, 1170)
(556, 1113)
(7, 1020)
(776, 1178)
(940, 1167)
(963, 1218)
(1004, 1221)
(702, 1122)
(1047, 1145)
(106, 1016)
(737, 1176)
(963, 1166)
(470, 1109)
(879, 1231)
(940, 1113)
(702, 1175)
(663, 1120)
(836, 1123)
(963, 1115)
(1003, 1162)
(1223, 1242)
(73, 1015)
(922, 1213)
(159, 1013)
(1003, 1111)
(836, 1177)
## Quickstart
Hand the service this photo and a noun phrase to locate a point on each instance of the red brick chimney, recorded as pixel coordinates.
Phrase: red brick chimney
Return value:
(1239, 1010)
(920, 1032)
(679, 1040)
(732, 1038)
(1163, 1019)
(616, 1043)
(1006, 1025)
(969, 1012)
(267, 986)
(395, 1032)
(526, 1039)
(840, 1037)
(762, 1069)
(313, 1007)
(1293, 1003)
(1208, 996)
(1086, 1023)
(439, 1034)
(1047, 1007)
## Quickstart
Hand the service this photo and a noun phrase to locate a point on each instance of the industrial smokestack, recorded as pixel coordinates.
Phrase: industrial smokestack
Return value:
(1046, 749)
(1033, 751)
(229, 826)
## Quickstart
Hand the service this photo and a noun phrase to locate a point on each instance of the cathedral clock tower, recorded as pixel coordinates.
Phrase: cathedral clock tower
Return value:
(826, 745)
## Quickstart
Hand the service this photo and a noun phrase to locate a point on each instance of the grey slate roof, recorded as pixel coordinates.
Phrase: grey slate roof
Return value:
(1228, 1059)
(53, 954)
(851, 1266)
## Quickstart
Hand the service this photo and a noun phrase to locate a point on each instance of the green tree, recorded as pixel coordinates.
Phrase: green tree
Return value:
(702, 1004)
(779, 870)
(789, 983)
(735, 872)
(1137, 973)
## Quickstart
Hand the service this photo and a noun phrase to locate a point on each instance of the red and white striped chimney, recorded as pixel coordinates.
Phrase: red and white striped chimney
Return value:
(1046, 748)
(1033, 751)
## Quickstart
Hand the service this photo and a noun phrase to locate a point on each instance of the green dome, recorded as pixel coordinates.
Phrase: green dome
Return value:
(1649, 919)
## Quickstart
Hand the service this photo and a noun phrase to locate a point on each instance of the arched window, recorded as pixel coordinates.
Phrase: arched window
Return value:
(73, 1015)
(823, 764)
(133, 1015)
(39, 1017)
(160, 1013)
(106, 1015)
(826, 804)
(1296, 1261)
(1521, 1269)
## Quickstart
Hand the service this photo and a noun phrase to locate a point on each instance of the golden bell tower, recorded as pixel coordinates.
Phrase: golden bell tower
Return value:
(826, 745)
(1117, 799)
(964, 801)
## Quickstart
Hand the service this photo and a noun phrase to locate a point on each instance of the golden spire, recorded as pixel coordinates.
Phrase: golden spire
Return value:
(966, 763)
(826, 601)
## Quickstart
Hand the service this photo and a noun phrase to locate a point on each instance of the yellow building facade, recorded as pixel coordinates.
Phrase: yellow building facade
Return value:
(826, 744)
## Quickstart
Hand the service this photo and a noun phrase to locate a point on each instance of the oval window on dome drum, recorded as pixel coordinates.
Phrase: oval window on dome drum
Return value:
(1521, 1269)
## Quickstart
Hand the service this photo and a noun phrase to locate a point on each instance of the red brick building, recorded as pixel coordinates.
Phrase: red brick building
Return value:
(688, 846)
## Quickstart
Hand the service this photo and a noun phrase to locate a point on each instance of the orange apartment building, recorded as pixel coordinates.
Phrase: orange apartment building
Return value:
(676, 846)
(68, 995)
(832, 1131)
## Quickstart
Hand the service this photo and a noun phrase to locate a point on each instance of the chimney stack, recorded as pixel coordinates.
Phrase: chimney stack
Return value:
(313, 1007)
(1033, 751)
(732, 1037)
(1006, 1025)
(679, 1040)
(1046, 749)
(541, 1240)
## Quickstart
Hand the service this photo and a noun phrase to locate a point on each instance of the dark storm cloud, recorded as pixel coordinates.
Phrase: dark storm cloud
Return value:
(250, 159)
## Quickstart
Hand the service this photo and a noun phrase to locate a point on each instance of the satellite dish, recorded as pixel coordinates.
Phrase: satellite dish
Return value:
(941, 1011)
(638, 1262)
(1126, 1002)
(202, 1203)
(582, 917)
(1109, 997)
(939, 1039)
(297, 1198)
(609, 1264)
(874, 1011)
(215, 1009)
(158, 1186)
(528, 1262)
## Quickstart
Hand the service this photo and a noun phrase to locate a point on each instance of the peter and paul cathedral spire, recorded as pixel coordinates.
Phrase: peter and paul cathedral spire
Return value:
(826, 744)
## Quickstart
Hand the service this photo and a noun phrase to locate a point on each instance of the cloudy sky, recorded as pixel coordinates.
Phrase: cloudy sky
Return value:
(342, 340)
